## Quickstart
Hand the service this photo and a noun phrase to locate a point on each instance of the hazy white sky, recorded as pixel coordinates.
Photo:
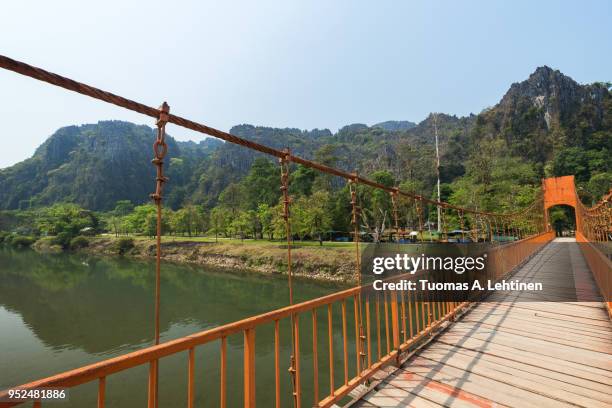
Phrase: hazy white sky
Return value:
(285, 63)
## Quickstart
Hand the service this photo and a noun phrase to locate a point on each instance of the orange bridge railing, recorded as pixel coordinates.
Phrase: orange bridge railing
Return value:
(595, 239)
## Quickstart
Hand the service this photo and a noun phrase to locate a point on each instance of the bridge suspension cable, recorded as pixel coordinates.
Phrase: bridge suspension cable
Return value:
(597, 220)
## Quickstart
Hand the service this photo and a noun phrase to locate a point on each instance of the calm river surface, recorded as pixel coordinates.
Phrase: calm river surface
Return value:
(63, 311)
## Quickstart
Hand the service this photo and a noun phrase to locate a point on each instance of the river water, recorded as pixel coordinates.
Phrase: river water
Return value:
(63, 311)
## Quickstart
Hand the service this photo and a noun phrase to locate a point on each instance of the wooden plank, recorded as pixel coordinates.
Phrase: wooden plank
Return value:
(548, 302)
(584, 385)
(559, 311)
(484, 387)
(532, 320)
(568, 339)
(434, 391)
(548, 294)
(575, 340)
(518, 308)
(521, 379)
(593, 305)
(538, 324)
(529, 357)
(363, 404)
(592, 359)
(535, 320)
(524, 332)
(396, 397)
(589, 299)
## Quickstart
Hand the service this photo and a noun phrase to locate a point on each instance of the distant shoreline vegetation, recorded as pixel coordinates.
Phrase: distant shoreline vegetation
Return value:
(252, 209)
(190, 236)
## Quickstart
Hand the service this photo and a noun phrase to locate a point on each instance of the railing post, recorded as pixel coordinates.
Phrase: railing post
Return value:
(395, 325)
(152, 395)
(249, 368)
(223, 373)
(101, 392)
(190, 375)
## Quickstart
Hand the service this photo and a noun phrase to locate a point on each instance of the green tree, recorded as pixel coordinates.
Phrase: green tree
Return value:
(317, 215)
(298, 213)
(561, 218)
(326, 155)
(66, 218)
(380, 198)
(241, 223)
(377, 208)
(113, 223)
(495, 181)
(219, 221)
(185, 220)
(599, 185)
(278, 222)
(65, 221)
(571, 161)
(141, 220)
(302, 180)
(202, 219)
(123, 208)
(265, 216)
(261, 184)
(232, 198)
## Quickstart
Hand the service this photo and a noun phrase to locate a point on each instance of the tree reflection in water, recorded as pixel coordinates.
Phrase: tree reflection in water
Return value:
(79, 309)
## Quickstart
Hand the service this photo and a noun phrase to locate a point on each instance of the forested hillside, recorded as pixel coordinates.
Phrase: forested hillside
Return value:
(546, 125)
(96, 165)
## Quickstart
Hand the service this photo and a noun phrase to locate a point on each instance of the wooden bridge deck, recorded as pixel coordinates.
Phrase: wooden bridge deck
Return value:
(514, 353)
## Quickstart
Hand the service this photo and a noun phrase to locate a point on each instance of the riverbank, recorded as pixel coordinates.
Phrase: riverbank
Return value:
(332, 262)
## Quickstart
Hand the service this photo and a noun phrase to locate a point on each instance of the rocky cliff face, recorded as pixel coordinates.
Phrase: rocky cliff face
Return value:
(555, 97)
(546, 113)
(546, 120)
(395, 125)
(92, 165)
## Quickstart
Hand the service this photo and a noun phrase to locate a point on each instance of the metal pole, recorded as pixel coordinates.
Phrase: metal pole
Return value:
(435, 117)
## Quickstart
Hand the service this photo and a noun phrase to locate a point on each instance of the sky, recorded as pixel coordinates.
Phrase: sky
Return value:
(286, 63)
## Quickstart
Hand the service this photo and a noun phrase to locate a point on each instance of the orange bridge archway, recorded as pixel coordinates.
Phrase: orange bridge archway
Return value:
(561, 191)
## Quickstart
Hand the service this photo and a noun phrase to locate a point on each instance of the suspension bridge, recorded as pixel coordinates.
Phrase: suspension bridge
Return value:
(396, 349)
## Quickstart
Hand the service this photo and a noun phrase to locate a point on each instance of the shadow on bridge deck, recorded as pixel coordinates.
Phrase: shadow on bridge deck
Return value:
(513, 352)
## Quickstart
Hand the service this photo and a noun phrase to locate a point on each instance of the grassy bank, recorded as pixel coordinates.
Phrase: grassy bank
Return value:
(330, 262)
